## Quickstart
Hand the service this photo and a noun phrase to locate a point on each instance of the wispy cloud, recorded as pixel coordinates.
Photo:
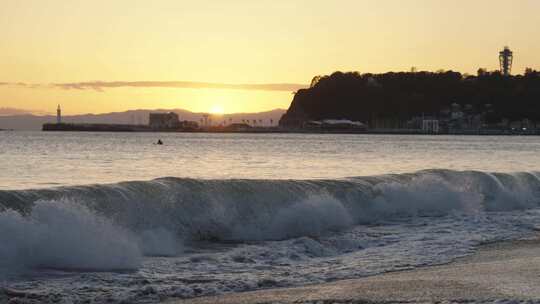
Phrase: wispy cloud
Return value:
(22, 85)
(102, 85)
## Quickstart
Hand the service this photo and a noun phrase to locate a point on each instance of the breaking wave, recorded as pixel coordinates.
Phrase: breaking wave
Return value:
(60, 234)
(112, 226)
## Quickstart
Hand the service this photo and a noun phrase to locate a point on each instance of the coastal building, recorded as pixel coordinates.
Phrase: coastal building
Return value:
(430, 126)
(343, 124)
(456, 112)
(312, 124)
(334, 125)
(189, 125)
(160, 121)
(387, 123)
(238, 127)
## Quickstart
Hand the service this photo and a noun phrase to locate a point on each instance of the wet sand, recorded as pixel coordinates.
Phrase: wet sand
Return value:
(501, 271)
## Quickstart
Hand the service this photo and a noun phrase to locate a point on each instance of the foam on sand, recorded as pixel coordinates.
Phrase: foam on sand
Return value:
(504, 272)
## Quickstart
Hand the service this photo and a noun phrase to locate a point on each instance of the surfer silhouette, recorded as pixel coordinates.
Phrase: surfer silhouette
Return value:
(159, 142)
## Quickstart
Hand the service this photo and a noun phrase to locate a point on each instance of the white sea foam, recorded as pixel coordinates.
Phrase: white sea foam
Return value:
(312, 216)
(64, 235)
(425, 194)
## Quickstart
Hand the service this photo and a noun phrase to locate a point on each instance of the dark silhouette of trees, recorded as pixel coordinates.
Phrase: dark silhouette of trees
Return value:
(402, 95)
(315, 80)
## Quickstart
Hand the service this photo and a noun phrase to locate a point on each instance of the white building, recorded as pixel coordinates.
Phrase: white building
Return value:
(430, 126)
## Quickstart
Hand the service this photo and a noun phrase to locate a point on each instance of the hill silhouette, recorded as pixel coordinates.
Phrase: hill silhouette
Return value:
(397, 97)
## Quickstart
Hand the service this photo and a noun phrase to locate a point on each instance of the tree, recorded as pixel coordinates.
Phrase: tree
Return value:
(315, 80)
(530, 72)
(482, 72)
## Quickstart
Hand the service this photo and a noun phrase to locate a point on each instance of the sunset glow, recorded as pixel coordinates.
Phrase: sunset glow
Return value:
(217, 109)
(265, 151)
(50, 47)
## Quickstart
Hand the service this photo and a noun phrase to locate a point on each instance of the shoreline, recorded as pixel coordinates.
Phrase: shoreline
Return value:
(496, 271)
(76, 127)
(282, 131)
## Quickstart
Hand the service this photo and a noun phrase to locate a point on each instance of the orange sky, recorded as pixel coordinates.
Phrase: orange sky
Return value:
(240, 42)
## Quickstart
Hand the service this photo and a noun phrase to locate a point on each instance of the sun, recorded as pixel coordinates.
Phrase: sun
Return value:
(217, 109)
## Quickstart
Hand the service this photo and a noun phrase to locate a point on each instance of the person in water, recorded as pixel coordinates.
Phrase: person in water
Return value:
(159, 142)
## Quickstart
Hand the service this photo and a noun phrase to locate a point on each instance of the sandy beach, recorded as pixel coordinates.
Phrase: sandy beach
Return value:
(500, 272)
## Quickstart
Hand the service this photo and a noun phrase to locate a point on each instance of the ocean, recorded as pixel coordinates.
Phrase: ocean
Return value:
(114, 218)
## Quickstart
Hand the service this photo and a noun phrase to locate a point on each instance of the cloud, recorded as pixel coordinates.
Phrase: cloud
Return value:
(11, 84)
(21, 85)
(102, 85)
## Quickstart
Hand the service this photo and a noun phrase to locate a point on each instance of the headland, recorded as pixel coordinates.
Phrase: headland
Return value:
(443, 102)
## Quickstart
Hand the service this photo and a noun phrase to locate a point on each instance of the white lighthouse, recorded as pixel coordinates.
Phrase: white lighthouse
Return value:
(58, 115)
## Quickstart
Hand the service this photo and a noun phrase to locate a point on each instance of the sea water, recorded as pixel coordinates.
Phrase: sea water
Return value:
(113, 218)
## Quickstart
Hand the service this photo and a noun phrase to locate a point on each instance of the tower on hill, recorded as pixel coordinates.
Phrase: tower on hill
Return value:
(506, 56)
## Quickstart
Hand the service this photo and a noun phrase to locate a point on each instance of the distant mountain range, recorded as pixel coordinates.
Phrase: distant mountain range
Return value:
(20, 120)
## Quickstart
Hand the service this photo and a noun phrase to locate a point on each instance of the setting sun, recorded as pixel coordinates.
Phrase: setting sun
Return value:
(217, 109)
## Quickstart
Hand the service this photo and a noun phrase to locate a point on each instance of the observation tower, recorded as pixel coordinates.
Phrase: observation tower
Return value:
(506, 56)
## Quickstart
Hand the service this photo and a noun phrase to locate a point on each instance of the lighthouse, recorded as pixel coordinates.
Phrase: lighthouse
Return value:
(58, 115)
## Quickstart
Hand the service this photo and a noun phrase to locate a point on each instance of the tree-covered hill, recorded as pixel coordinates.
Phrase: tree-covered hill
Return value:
(400, 96)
